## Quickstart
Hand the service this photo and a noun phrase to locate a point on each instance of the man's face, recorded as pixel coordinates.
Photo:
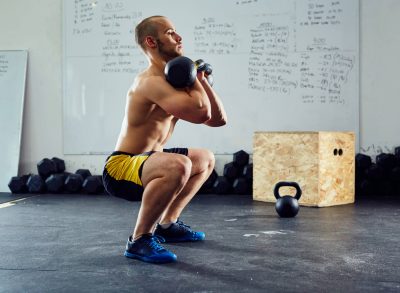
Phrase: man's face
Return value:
(169, 43)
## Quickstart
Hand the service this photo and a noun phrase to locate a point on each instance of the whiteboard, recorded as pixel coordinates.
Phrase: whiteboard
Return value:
(12, 91)
(279, 65)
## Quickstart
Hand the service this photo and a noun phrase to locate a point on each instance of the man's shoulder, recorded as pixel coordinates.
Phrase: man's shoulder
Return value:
(144, 86)
(149, 84)
(151, 77)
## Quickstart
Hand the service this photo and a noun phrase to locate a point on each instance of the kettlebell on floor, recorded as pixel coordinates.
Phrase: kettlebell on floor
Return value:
(287, 206)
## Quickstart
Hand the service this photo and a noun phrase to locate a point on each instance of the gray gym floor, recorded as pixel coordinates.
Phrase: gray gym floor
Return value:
(75, 243)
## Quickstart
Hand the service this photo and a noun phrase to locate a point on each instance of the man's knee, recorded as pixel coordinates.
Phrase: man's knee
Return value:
(211, 159)
(179, 167)
(207, 159)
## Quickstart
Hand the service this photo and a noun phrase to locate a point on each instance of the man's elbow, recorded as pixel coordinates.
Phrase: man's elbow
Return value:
(222, 122)
(216, 123)
(203, 117)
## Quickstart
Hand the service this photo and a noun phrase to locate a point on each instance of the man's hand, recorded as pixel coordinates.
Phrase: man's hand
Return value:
(205, 68)
(201, 76)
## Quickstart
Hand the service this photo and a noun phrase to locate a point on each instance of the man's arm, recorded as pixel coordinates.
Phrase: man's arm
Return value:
(218, 115)
(191, 104)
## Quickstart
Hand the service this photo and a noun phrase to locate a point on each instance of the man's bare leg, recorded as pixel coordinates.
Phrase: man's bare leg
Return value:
(164, 176)
(203, 162)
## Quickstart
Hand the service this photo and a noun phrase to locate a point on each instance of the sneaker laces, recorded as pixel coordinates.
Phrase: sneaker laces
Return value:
(159, 238)
(185, 228)
(154, 243)
(180, 223)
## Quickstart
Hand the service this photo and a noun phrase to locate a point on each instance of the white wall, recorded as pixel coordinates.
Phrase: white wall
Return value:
(36, 26)
(379, 75)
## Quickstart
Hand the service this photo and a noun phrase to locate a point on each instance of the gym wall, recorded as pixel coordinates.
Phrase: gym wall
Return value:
(37, 27)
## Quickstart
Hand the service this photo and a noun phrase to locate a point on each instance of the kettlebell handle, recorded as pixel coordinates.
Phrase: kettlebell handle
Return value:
(291, 184)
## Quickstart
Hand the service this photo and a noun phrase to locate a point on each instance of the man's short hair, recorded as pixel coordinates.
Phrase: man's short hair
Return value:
(147, 27)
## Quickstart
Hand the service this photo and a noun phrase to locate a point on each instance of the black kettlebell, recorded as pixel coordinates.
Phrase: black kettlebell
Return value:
(287, 206)
(180, 72)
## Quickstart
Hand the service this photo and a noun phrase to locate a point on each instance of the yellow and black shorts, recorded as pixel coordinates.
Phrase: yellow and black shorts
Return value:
(123, 171)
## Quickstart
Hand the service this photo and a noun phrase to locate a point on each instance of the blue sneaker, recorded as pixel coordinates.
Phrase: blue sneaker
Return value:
(178, 232)
(148, 249)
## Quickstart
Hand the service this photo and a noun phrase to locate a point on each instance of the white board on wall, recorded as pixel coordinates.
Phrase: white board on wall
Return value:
(12, 92)
(282, 65)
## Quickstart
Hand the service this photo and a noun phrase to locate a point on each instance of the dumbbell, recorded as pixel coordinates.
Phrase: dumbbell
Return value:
(65, 175)
(362, 161)
(231, 171)
(248, 174)
(248, 171)
(222, 185)
(36, 184)
(365, 188)
(46, 167)
(83, 179)
(395, 175)
(235, 168)
(386, 161)
(241, 186)
(73, 183)
(181, 71)
(238, 173)
(17, 184)
(31, 183)
(84, 173)
(232, 181)
(55, 183)
(241, 158)
(379, 178)
(244, 184)
(397, 152)
(377, 181)
(395, 179)
(93, 185)
(374, 173)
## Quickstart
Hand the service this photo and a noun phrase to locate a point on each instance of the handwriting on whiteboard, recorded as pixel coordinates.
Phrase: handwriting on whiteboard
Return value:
(215, 37)
(3, 65)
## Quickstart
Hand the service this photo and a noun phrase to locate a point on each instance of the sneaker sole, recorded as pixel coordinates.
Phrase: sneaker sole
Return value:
(171, 240)
(149, 259)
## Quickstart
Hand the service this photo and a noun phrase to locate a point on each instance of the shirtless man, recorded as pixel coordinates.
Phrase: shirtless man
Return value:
(165, 180)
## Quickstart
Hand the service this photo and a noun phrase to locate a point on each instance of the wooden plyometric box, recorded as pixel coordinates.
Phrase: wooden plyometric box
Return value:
(321, 162)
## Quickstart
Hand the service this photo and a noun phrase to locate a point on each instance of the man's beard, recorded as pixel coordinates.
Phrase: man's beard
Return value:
(166, 54)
